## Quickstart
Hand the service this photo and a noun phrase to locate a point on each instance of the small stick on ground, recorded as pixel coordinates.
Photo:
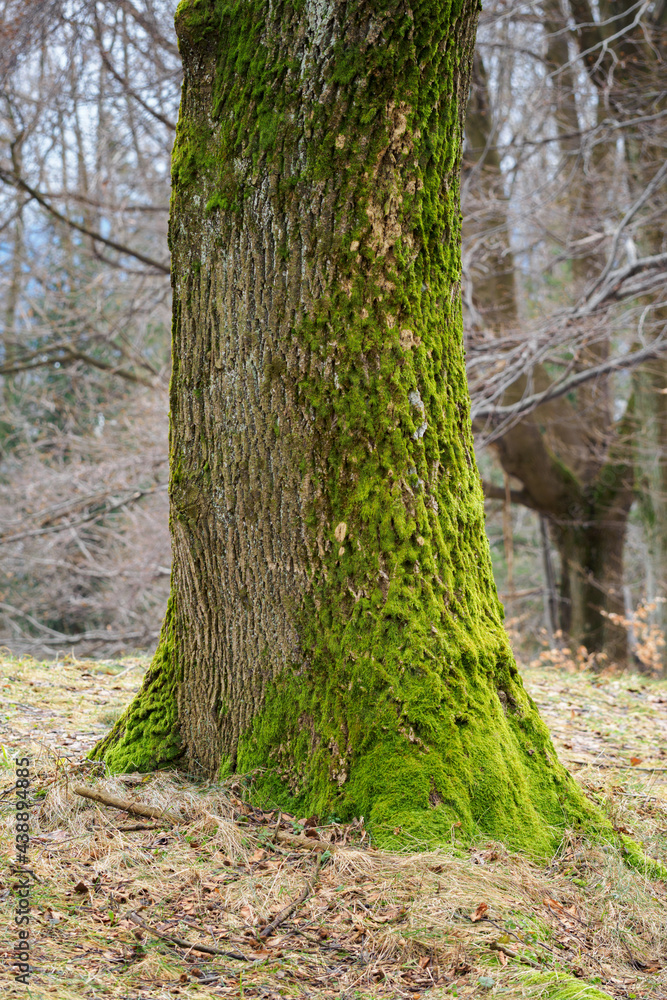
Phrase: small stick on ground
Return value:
(276, 828)
(299, 840)
(181, 942)
(136, 826)
(135, 808)
(616, 764)
(289, 910)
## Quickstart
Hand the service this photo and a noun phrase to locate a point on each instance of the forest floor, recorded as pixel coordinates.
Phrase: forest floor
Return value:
(120, 904)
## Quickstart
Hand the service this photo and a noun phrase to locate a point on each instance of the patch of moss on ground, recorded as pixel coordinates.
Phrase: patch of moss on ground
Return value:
(635, 857)
(557, 986)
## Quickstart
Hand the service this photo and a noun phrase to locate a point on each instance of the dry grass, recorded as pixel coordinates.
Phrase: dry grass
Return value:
(377, 924)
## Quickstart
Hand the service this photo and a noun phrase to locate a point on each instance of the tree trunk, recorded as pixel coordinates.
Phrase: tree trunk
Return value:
(333, 627)
(591, 589)
(588, 524)
(651, 443)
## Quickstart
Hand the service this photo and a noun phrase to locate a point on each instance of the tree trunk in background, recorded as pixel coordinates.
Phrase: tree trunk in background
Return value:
(491, 262)
(11, 303)
(651, 444)
(333, 626)
(629, 72)
(562, 454)
(592, 586)
(588, 526)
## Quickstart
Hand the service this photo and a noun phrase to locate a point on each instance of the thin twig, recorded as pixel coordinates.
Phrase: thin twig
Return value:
(181, 942)
(18, 181)
(289, 910)
(135, 495)
(629, 215)
(276, 829)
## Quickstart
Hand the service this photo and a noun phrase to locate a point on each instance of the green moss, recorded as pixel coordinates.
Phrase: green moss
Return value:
(636, 858)
(414, 767)
(226, 768)
(557, 986)
(146, 736)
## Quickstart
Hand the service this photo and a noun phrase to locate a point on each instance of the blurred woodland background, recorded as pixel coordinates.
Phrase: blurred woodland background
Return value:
(564, 186)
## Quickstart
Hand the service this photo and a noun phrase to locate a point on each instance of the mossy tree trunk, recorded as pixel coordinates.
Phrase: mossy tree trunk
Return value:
(333, 626)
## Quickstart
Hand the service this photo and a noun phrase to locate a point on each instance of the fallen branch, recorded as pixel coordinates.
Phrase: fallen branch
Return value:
(136, 808)
(289, 910)
(181, 942)
(135, 827)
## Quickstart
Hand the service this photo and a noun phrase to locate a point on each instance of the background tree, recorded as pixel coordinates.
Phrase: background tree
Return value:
(85, 139)
(566, 439)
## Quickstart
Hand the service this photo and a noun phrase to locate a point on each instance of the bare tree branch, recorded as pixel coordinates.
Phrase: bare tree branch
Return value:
(135, 495)
(15, 181)
(655, 350)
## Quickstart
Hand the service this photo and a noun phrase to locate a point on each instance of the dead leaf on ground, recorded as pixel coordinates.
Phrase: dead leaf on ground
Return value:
(479, 913)
(389, 915)
(261, 953)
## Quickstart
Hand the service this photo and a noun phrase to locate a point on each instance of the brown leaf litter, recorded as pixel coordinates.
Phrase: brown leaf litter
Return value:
(204, 895)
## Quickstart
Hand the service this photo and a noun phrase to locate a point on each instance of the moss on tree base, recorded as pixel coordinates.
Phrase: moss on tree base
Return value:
(147, 735)
(424, 754)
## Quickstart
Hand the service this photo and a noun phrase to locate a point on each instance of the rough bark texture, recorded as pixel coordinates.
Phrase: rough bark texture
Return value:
(334, 627)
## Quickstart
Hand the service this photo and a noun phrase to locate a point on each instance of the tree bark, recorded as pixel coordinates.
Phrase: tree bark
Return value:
(334, 627)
